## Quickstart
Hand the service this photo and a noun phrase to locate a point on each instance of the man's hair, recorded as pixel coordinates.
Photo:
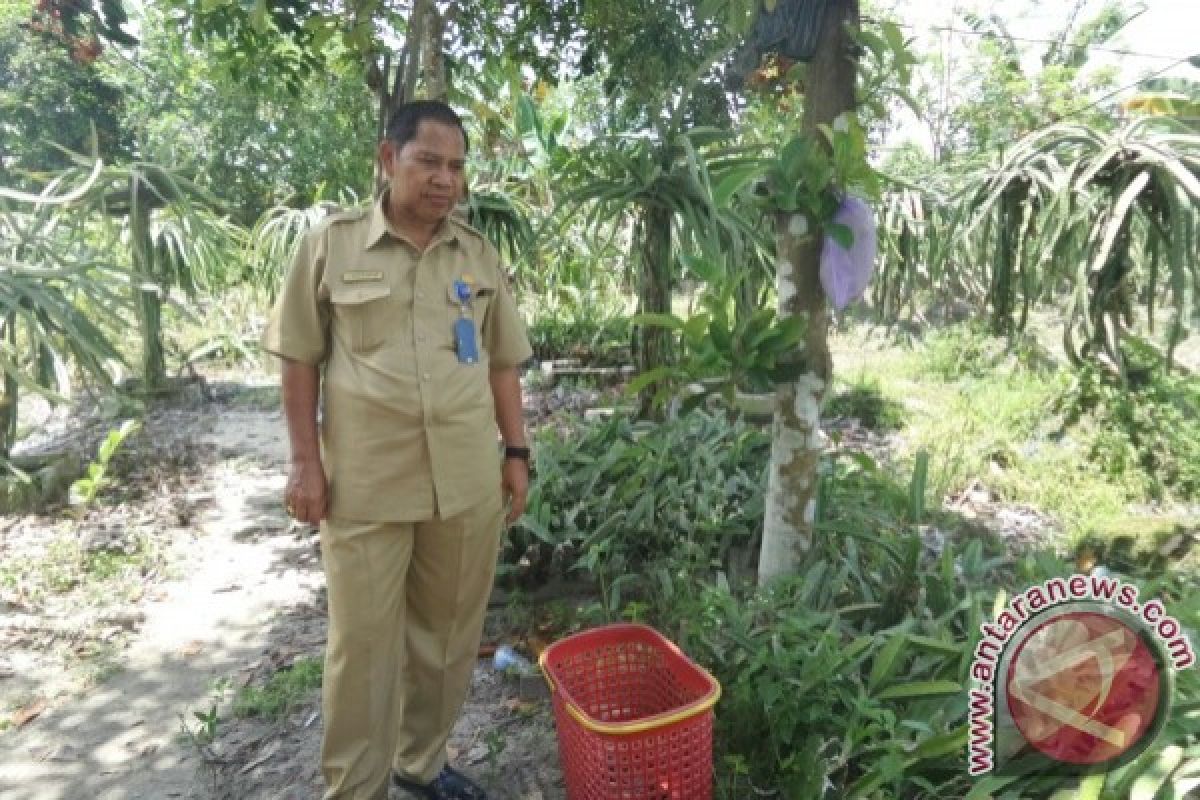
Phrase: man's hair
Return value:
(403, 123)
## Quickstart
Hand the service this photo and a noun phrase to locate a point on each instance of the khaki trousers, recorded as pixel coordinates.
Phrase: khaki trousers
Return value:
(406, 608)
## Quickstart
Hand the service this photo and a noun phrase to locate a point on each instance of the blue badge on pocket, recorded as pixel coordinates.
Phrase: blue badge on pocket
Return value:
(462, 292)
(464, 341)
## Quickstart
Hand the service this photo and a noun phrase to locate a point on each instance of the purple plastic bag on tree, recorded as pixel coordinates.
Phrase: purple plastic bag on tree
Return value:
(846, 273)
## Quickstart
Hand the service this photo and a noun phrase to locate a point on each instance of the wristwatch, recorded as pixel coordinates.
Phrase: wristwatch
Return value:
(516, 452)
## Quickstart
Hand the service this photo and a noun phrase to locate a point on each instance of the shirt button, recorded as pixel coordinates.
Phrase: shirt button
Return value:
(425, 376)
(420, 337)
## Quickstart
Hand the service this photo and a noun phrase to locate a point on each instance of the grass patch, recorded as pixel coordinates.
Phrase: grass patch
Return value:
(257, 398)
(64, 565)
(984, 416)
(865, 401)
(286, 689)
(106, 565)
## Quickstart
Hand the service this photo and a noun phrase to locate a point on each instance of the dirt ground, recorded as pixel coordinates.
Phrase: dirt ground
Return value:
(101, 690)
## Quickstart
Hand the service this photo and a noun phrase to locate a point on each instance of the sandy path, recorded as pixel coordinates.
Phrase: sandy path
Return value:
(243, 565)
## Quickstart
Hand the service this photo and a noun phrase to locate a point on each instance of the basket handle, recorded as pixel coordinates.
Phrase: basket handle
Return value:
(626, 728)
(545, 671)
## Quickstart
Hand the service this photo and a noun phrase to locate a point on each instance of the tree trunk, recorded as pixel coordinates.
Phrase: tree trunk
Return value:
(796, 441)
(653, 344)
(149, 295)
(433, 55)
(8, 401)
(1003, 284)
(423, 53)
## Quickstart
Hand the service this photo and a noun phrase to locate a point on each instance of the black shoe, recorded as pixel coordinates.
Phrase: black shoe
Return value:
(450, 784)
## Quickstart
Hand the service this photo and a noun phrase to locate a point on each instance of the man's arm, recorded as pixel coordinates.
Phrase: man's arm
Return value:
(307, 494)
(510, 418)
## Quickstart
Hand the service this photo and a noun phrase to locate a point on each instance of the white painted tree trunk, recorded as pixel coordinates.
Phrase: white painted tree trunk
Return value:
(796, 438)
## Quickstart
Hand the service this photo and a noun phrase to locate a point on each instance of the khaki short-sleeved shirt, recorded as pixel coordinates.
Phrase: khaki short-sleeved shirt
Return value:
(408, 431)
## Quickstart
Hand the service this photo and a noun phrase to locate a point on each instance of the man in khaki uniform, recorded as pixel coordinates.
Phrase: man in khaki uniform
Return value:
(401, 320)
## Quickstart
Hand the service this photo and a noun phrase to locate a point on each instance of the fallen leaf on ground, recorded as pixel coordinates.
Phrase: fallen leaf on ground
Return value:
(271, 750)
(29, 713)
(59, 752)
(193, 648)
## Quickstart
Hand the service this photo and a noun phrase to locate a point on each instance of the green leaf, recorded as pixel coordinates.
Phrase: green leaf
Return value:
(895, 39)
(538, 529)
(1147, 785)
(704, 268)
(709, 8)
(647, 378)
(694, 329)
(842, 234)
(794, 154)
(884, 664)
(873, 42)
(669, 321)
(918, 689)
(943, 744)
(259, 20)
(733, 181)
(937, 645)
(1089, 789)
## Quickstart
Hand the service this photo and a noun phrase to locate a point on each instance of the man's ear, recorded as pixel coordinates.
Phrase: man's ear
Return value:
(387, 155)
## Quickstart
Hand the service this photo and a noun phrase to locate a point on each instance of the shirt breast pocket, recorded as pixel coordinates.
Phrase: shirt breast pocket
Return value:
(361, 313)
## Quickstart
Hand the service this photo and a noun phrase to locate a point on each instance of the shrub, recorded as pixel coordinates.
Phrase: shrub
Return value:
(817, 705)
(574, 323)
(610, 497)
(963, 351)
(1147, 431)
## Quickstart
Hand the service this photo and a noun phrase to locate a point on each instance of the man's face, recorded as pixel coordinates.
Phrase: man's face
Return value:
(426, 174)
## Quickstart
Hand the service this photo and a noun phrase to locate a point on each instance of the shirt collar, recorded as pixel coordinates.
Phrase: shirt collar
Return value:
(380, 226)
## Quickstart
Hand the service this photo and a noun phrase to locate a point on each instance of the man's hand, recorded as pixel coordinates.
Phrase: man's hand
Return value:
(514, 475)
(514, 487)
(307, 494)
(306, 497)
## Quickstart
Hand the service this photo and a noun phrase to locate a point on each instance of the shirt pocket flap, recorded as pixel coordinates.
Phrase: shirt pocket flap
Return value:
(479, 291)
(357, 295)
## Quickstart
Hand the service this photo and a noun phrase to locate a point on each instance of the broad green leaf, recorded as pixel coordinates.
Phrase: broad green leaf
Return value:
(895, 39)
(704, 268)
(733, 181)
(937, 645)
(842, 234)
(647, 378)
(694, 329)
(655, 320)
(884, 664)
(944, 744)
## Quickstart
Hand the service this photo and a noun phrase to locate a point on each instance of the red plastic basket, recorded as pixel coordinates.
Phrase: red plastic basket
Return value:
(634, 716)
